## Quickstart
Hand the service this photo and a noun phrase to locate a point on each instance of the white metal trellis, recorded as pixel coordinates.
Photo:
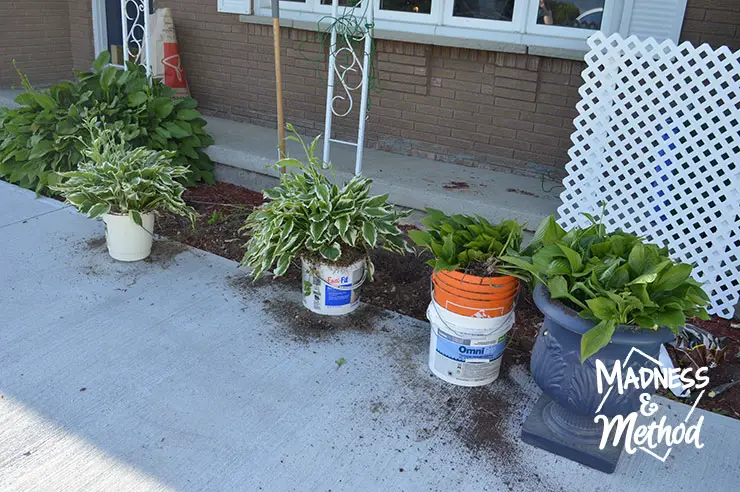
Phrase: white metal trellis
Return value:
(135, 32)
(657, 140)
(341, 72)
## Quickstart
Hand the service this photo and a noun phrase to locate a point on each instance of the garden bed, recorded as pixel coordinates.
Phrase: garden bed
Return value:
(402, 284)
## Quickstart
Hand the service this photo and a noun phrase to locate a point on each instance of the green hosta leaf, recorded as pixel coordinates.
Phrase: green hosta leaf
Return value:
(136, 217)
(98, 209)
(282, 264)
(672, 318)
(638, 259)
(596, 338)
(288, 162)
(162, 107)
(558, 266)
(574, 259)
(673, 277)
(41, 148)
(548, 231)
(331, 252)
(187, 114)
(558, 288)
(107, 77)
(420, 238)
(369, 233)
(602, 308)
(101, 61)
(374, 212)
(318, 229)
(342, 224)
(137, 98)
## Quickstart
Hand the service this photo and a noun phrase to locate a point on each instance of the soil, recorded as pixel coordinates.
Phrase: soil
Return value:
(402, 284)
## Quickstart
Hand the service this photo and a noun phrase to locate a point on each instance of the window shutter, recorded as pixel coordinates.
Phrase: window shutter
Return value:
(235, 6)
(661, 19)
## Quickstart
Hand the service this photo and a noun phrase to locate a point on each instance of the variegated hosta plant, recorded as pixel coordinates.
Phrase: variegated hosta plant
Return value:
(115, 179)
(309, 214)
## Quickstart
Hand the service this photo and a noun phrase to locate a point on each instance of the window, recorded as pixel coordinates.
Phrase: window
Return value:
(548, 26)
(581, 14)
(502, 10)
(414, 6)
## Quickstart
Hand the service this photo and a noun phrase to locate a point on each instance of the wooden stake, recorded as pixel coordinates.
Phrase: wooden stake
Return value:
(278, 78)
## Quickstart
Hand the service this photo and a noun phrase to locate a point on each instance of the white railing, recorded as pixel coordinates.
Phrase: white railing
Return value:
(135, 31)
(343, 72)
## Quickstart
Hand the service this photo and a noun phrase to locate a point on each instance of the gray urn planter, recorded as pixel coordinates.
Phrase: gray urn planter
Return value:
(562, 421)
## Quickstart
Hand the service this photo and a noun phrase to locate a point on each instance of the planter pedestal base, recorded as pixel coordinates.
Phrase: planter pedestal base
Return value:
(551, 428)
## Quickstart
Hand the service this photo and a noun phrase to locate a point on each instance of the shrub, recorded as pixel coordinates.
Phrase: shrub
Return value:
(114, 178)
(35, 140)
(613, 279)
(308, 213)
(472, 244)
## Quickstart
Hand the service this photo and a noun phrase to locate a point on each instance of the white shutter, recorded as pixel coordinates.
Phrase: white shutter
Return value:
(661, 19)
(235, 6)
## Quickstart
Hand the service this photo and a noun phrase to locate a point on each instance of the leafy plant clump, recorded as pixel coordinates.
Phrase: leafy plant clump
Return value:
(117, 179)
(35, 141)
(613, 279)
(309, 214)
(461, 242)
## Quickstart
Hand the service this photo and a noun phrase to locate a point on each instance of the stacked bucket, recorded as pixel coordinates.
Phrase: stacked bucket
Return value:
(470, 317)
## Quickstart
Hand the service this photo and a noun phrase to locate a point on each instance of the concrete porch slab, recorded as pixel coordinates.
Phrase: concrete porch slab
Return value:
(410, 181)
(243, 151)
(179, 374)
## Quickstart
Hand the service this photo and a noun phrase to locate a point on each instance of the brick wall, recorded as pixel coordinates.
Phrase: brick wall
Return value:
(716, 22)
(34, 33)
(81, 34)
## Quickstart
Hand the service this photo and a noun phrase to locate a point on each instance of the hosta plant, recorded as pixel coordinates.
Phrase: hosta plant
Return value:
(34, 137)
(613, 279)
(472, 244)
(309, 214)
(113, 178)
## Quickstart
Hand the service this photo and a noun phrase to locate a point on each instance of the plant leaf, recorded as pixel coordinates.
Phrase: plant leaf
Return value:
(596, 338)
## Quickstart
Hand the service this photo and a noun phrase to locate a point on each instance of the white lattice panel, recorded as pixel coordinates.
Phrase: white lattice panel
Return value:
(657, 139)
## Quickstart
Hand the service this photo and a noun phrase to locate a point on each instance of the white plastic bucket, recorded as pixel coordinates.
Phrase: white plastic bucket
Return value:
(330, 289)
(126, 240)
(464, 350)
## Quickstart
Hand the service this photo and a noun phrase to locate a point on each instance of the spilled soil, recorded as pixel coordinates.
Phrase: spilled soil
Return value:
(401, 284)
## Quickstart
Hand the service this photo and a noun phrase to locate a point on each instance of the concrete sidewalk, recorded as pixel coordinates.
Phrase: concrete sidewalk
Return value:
(178, 374)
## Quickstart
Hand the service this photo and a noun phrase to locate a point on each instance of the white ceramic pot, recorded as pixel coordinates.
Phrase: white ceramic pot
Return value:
(126, 240)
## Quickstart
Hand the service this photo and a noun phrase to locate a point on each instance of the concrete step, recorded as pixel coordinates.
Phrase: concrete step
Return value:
(243, 151)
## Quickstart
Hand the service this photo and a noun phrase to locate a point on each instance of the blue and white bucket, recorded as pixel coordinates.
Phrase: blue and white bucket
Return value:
(330, 289)
(464, 350)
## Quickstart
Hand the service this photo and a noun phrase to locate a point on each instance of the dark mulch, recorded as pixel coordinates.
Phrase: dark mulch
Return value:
(722, 395)
(222, 209)
(402, 283)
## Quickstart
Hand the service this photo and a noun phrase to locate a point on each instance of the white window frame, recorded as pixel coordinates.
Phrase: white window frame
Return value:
(521, 35)
(607, 22)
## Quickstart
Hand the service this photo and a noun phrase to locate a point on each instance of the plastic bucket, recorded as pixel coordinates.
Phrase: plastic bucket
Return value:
(330, 289)
(126, 240)
(469, 295)
(466, 351)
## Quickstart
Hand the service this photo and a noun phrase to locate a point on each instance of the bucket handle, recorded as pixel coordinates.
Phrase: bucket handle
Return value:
(439, 315)
(314, 272)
